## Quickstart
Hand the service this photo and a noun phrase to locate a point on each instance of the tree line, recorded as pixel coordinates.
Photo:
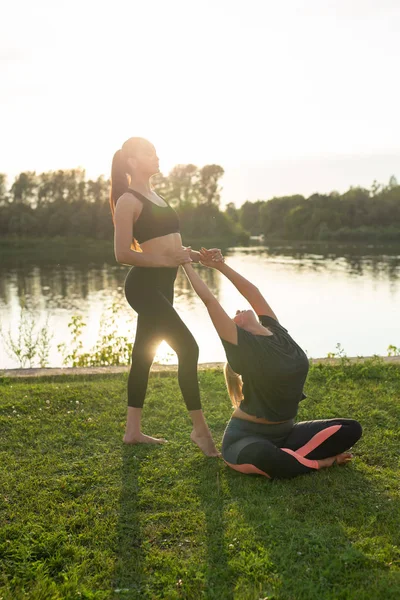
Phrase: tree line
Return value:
(360, 214)
(67, 203)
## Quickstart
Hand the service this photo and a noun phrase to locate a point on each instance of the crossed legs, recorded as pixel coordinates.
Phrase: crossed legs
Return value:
(309, 446)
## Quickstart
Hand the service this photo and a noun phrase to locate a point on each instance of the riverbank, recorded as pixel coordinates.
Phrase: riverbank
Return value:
(76, 250)
(157, 368)
(85, 516)
(15, 250)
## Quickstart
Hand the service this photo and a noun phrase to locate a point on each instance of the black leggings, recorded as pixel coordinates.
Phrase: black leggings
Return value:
(287, 449)
(150, 292)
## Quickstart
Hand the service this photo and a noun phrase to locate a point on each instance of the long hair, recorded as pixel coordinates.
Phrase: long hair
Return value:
(234, 385)
(121, 177)
(120, 180)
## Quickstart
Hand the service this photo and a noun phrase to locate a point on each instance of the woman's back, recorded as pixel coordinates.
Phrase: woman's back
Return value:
(273, 369)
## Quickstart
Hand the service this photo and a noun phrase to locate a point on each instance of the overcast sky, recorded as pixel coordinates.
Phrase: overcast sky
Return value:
(289, 96)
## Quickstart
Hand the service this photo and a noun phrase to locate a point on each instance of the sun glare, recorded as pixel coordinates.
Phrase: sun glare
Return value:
(165, 355)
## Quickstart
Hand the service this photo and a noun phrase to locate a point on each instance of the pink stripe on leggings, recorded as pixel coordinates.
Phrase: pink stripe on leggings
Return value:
(317, 440)
(247, 469)
(312, 464)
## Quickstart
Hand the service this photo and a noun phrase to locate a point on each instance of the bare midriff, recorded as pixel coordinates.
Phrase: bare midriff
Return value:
(166, 245)
(240, 414)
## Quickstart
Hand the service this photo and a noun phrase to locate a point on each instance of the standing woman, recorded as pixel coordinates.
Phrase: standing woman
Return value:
(147, 238)
(265, 375)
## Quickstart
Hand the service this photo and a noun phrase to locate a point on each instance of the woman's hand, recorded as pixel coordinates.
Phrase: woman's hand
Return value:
(181, 257)
(211, 258)
(196, 256)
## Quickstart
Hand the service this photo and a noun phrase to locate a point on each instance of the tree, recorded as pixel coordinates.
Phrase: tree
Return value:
(274, 212)
(62, 186)
(183, 184)
(232, 212)
(376, 188)
(355, 208)
(209, 189)
(250, 217)
(97, 197)
(24, 188)
(3, 189)
(162, 185)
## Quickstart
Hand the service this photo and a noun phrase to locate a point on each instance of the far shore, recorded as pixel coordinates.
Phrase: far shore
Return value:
(157, 368)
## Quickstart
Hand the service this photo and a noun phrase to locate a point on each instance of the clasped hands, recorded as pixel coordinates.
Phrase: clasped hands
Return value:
(207, 257)
(211, 258)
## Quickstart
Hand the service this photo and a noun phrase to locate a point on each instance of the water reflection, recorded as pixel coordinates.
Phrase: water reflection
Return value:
(58, 287)
(320, 281)
(378, 261)
(184, 291)
(53, 287)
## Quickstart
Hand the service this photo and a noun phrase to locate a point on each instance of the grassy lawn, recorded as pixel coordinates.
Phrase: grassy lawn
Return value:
(82, 516)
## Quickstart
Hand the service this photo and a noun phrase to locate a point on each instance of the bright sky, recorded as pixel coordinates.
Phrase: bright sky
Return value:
(288, 96)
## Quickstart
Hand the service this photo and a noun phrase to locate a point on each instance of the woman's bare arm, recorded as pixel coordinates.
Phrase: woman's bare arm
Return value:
(224, 325)
(245, 287)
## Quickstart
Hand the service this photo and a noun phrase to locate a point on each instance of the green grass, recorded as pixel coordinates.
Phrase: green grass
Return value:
(84, 517)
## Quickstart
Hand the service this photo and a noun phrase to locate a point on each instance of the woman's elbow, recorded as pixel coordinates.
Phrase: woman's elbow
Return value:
(253, 288)
(120, 257)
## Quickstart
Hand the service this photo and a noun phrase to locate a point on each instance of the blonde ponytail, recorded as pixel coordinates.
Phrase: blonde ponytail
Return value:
(234, 385)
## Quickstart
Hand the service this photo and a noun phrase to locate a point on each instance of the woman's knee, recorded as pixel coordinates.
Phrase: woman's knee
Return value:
(188, 351)
(354, 430)
(225, 445)
(194, 350)
(230, 449)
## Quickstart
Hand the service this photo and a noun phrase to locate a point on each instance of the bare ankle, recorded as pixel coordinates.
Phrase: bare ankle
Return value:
(205, 443)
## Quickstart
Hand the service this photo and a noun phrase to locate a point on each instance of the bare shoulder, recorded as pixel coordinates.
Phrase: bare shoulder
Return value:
(128, 204)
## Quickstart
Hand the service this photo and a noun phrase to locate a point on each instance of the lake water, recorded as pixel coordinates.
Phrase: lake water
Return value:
(323, 298)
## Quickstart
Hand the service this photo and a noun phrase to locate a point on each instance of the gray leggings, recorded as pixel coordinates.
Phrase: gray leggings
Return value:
(284, 450)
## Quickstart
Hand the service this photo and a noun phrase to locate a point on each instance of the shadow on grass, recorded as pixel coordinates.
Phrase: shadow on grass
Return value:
(219, 576)
(129, 579)
(326, 535)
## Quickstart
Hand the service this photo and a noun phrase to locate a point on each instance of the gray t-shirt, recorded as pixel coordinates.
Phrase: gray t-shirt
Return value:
(273, 369)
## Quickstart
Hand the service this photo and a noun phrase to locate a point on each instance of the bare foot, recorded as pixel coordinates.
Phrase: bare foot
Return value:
(142, 439)
(344, 458)
(340, 459)
(205, 443)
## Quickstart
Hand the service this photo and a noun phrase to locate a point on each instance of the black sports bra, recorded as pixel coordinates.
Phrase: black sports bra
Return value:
(154, 221)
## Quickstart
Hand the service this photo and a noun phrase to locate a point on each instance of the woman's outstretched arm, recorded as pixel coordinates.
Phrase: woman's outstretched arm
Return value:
(224, 325)
(243, 285)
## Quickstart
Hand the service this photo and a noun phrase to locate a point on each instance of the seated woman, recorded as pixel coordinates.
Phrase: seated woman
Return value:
(265, 375)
